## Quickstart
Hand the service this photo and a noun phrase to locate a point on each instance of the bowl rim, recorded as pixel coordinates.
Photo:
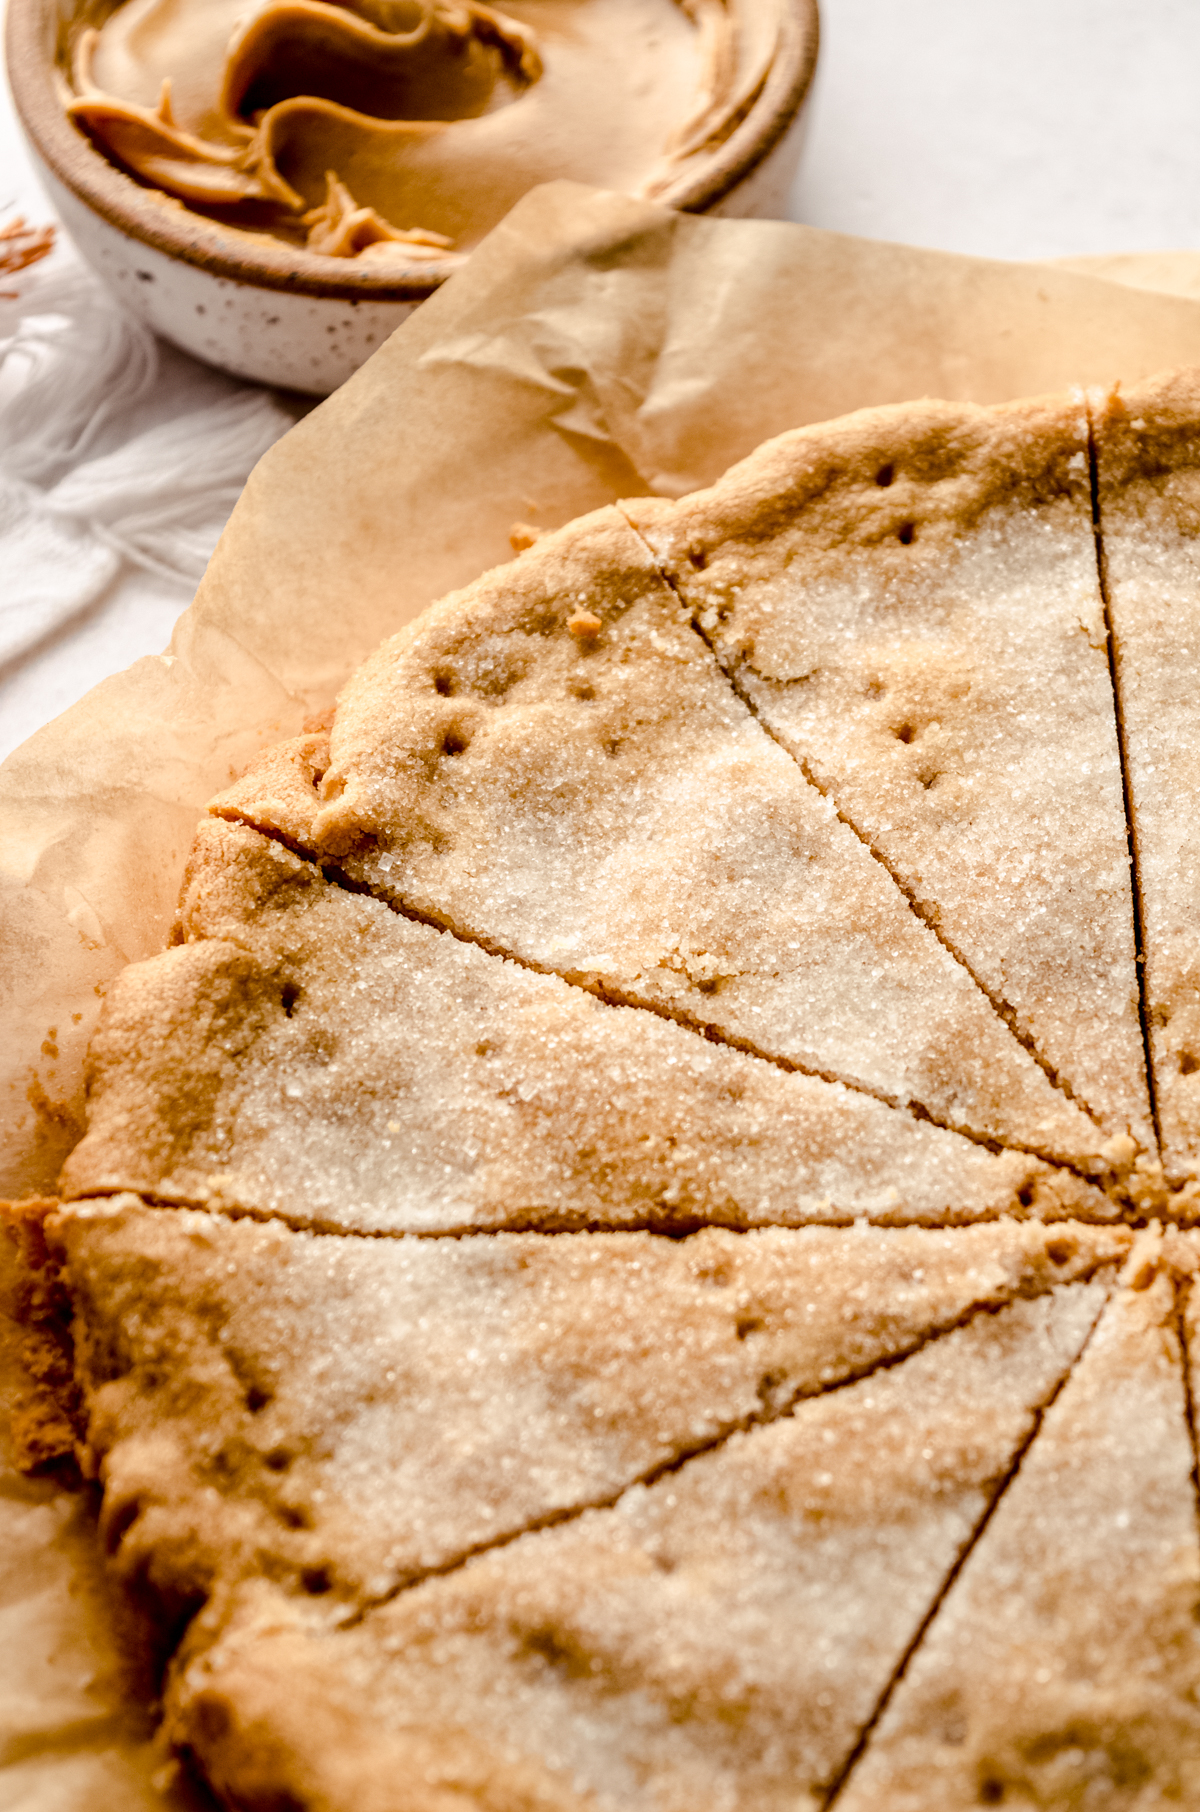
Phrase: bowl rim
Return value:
(140, 213)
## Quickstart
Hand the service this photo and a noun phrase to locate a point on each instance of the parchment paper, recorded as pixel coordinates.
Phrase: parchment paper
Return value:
(593, 347)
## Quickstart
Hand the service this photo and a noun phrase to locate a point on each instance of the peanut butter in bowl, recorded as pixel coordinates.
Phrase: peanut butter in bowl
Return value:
(274, 186)
(380, 130)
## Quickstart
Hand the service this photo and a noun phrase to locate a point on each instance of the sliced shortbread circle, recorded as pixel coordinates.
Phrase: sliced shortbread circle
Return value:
(590, 1248)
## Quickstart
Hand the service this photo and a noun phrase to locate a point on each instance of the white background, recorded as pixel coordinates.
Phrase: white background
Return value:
(1010, 128)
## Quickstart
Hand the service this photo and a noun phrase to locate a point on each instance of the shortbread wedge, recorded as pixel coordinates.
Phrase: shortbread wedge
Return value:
(308, 1052)
(1064, 1667)
(719, 1638)
(1148, 493)
(909, 599)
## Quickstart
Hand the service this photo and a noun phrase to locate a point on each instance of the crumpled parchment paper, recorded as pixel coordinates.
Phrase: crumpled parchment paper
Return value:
(594, 347)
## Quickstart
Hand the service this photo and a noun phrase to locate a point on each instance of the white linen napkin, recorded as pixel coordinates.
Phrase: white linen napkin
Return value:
(114, 449)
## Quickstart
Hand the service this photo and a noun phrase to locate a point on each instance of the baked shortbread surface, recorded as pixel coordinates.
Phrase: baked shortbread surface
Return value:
(618, 1261)
(719, 1637)
(466, 1389)
(1148, 483)
(1031, 1685)
(552, 764)
(310, 1053)
(914, 609)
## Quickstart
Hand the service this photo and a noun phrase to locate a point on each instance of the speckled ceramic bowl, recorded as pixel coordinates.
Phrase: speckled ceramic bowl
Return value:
(282, 315)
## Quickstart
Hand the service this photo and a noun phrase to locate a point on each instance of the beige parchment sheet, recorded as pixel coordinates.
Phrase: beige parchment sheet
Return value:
(594, 347)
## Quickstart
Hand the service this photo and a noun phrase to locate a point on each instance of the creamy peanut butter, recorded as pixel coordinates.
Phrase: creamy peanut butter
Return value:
(407, 128)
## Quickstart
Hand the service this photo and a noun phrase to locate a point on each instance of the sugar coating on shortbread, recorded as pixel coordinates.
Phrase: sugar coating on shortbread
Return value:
(925, 632)
(611, 811)
(309, 1053)
(635, 1253)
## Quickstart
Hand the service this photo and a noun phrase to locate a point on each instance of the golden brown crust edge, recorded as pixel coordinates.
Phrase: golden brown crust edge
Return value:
(47, 1417)
(904, 481)
(1147, 436)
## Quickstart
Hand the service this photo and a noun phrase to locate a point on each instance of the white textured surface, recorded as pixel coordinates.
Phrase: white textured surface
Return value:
(1007, 127)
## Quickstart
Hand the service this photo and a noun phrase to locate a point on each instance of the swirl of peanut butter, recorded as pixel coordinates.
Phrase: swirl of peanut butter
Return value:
(384, 129)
